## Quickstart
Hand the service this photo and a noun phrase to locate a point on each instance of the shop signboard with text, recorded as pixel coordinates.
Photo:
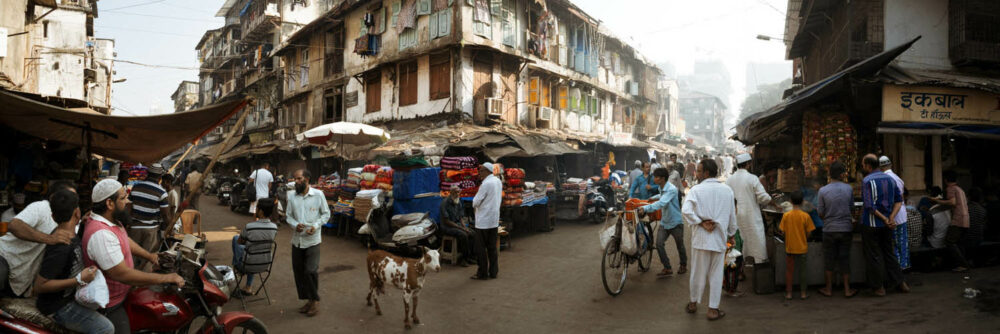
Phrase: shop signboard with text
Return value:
(619, 138)
(928, 104)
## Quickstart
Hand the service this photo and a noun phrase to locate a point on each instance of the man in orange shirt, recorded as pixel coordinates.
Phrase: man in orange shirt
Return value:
(796, 225)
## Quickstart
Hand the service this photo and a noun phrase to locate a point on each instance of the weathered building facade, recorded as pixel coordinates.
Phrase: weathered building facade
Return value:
(51, 51)
(704, 117)
(185, 97)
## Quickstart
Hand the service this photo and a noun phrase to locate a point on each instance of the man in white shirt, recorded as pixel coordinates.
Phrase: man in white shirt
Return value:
(750, 195)
(307, 212)
(22, 247)
(710, 210)
(261, 180)
(899, 231)
(107, 245)
(487, 206)
(18, 201)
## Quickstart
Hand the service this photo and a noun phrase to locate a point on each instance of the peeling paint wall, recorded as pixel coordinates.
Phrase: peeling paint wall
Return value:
(59, 43)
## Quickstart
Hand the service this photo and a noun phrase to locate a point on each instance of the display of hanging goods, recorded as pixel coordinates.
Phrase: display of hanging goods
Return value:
(827, 137)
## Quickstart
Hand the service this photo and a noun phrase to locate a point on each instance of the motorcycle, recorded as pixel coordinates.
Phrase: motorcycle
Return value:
(238, 202)
(162, 308)
(406, 235)
(281, 190)
(600, 200)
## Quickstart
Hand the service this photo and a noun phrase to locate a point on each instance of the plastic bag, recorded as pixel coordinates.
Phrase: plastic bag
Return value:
(630, 245)
(731, 257)
(606, 235)
(95, 294)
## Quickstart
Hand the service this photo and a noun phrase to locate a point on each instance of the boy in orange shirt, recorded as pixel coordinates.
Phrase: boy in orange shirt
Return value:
(796, 225)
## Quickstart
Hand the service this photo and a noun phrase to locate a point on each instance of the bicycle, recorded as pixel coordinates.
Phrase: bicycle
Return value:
(615, 260)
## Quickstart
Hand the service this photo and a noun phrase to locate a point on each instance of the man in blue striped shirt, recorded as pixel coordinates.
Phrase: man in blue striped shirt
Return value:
(882, 203)
(149, 210)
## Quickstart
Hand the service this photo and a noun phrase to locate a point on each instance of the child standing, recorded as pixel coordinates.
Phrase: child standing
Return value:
(796, 225)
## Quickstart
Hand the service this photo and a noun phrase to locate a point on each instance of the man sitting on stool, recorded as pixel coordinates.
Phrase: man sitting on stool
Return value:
(451, 224)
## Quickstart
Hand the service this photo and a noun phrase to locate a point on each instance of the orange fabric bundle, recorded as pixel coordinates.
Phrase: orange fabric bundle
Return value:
(635, 203)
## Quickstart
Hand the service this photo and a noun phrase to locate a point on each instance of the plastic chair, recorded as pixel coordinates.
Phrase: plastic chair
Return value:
(256, 248)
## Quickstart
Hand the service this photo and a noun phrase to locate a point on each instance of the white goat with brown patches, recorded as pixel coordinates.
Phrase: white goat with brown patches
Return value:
(404, 273)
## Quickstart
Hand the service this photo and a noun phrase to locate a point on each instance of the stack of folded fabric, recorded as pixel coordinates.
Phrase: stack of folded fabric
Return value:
(343, 207)
(368, 175)
(460, 171)
(513, 187)
(383, 180)
(575, 185)
(365, 202)
(459, 163)
(348, 191)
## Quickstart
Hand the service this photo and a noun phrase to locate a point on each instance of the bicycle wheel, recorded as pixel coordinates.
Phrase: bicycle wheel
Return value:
(614, 268)
(646, 249)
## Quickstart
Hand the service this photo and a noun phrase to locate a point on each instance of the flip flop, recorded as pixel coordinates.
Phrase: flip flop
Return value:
(721, 314)
(828, 294)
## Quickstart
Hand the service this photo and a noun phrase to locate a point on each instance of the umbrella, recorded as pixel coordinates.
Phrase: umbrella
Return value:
(344, 133)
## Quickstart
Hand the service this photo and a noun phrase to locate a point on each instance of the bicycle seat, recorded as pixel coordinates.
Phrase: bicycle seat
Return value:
(24, 309)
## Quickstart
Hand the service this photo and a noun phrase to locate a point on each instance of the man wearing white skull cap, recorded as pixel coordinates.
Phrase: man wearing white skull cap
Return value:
(750, 195)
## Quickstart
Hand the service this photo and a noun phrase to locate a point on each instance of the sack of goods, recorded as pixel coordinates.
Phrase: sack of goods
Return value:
(630, 245)
(365, 202)
(413, 232)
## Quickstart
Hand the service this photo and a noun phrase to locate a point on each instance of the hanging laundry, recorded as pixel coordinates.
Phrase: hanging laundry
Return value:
(369, 20)
(407, 16)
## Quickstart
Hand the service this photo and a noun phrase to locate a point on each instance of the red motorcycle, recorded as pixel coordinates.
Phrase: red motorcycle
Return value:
(155, 309)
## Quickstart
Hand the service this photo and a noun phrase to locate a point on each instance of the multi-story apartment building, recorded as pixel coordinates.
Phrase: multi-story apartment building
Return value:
(185, 97)
(673, 125)
(525, 63)
(51, 51)
(704, 117)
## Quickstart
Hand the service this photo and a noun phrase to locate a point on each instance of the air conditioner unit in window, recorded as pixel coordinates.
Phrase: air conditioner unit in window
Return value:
(544, 114)
(494, 106)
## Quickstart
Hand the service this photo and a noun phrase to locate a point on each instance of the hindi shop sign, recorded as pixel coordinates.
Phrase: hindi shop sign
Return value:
(619, 138)
(927, 104)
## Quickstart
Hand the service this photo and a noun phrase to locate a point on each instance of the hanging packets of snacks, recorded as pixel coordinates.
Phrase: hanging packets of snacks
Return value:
(828, 137)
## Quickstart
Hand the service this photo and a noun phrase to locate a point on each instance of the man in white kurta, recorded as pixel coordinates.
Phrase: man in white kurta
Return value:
(750, 195)
(710, 212)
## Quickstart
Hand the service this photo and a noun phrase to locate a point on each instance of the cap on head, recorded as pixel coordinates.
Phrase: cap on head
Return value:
(104, 189)
(743, 158)
(455, 187)
(488, 166)
(884, 161)
(156, 169)
(638, 163)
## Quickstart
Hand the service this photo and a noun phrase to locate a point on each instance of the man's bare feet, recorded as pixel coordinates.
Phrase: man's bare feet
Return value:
(825, 292)
(850, 293)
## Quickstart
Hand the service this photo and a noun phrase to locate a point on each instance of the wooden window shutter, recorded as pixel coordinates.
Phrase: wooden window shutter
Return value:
(432, 26)
(534, 90)
(408, 84)
(545, 99)
(563, 97)
(373, 91)
(423, 7)
(380, 21)
(440, 76)
(395, 13)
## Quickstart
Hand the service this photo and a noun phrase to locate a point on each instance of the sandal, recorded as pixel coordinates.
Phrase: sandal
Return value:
(721, 314)
(851, 293)
(692, 308)
(825, 293)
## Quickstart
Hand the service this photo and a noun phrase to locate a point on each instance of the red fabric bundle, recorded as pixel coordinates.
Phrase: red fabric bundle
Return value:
(515, 182)
(370, 168)
(514, 173)
(470, 192)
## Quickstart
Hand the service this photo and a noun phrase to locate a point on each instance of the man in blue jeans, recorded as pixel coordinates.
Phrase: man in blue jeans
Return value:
(670, 222)
(257, 235)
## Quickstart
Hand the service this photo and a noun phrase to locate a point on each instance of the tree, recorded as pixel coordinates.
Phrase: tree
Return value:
(767, 96)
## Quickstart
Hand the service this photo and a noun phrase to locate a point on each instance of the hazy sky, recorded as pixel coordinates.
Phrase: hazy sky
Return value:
(164, 32)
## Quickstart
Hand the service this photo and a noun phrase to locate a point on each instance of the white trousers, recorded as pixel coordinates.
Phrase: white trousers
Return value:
(706, 266)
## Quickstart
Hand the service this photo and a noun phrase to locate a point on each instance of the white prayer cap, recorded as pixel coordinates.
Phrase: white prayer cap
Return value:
(488, 166)
(744, 157)
(104, 189)
(884, 161)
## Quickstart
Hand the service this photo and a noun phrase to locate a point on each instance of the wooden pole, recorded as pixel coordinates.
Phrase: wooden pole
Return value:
(215, 158)
(172, 168)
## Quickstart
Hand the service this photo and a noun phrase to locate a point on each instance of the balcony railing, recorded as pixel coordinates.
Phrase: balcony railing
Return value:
(260, 19)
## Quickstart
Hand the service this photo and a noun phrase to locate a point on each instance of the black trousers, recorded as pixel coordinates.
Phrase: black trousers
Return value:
(464, 246)
(305, 266)
(486, 241)
(954, 239)
(881, 266)
(119, 317)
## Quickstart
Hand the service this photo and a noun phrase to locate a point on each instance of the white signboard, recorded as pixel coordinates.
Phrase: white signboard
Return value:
(619, 138)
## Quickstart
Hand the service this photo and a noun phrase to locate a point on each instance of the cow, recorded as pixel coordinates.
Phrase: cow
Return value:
(406, 274)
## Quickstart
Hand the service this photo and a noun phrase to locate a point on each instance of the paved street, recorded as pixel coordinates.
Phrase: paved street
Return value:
(550, 283)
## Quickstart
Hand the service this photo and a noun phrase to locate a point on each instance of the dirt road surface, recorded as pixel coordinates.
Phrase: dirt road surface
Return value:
(551, 283)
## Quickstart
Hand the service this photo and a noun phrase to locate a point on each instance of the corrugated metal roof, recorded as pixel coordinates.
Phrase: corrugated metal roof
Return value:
(908, 76)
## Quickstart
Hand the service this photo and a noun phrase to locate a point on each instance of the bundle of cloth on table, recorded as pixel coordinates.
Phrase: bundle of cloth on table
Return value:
(534, 193)
(348, 192)
(513, 187)
(329, 185)
(460, 171)
(383, 180)
(573, 184)
(365, 202)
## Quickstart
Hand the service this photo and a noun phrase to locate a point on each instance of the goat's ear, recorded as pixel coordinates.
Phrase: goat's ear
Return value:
(425, 249)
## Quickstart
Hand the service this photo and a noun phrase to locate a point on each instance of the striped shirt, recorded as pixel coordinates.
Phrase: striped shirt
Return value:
(878, 193)
(258, 235)
(147, 199)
